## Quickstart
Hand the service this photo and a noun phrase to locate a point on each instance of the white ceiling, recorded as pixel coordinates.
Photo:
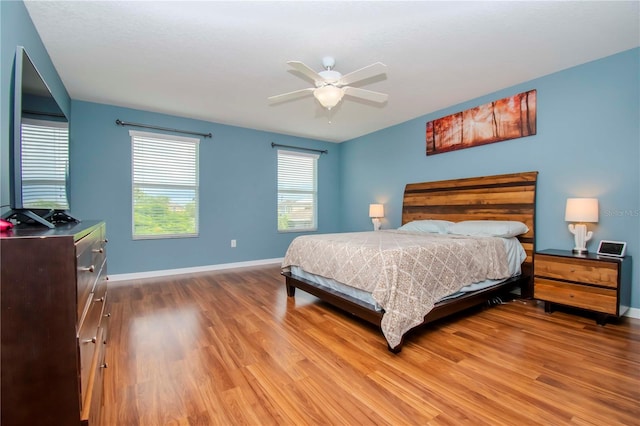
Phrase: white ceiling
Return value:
(219, 61)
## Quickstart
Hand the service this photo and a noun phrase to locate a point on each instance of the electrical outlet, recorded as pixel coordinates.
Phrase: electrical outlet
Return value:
(233, 243)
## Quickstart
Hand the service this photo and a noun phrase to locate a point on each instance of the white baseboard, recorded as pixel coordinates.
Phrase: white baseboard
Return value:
(195, 269)
(633, 313)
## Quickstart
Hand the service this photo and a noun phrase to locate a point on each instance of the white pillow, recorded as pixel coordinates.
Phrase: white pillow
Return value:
(430, 225)
(489, 228)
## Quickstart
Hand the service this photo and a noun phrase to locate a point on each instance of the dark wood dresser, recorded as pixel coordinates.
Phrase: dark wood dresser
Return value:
(53, 325)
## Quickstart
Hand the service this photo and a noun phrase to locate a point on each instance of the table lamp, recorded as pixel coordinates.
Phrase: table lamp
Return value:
(376, 211)
(582, 211)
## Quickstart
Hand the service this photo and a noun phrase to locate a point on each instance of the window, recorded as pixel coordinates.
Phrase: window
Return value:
(297, 191)
(45, 164)
(165, 185)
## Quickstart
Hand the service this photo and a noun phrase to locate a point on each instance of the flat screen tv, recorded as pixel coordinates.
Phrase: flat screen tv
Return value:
(39, 150)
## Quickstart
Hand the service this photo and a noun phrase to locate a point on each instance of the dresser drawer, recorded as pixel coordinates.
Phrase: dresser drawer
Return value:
(90, 256)
(580, 296)
(100, 289)
(578, 270)
(104, 324)
(87, 272)
(93, 398)
(88, 337)
(98, 250)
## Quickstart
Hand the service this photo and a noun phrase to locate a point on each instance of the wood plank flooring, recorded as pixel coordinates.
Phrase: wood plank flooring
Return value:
(229, 348)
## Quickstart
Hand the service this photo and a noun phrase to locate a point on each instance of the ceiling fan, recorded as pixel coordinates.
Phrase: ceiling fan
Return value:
(331, 86)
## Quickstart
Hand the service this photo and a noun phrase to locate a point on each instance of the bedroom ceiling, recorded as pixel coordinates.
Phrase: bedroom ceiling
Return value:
(219, 61)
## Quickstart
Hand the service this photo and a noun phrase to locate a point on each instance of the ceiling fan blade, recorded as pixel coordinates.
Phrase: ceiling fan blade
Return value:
(304, 69)
(290, 95)
(363, 73)
(368, 95)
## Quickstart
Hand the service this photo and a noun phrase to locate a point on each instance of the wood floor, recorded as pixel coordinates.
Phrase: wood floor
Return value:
(229, 348)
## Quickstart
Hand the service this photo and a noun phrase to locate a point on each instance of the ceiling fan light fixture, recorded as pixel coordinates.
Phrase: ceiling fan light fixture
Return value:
(328, 96)
(331, 86)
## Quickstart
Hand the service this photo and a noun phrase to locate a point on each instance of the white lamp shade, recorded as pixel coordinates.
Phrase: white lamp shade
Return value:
(376, 210)
(581, 210)
(328, 95)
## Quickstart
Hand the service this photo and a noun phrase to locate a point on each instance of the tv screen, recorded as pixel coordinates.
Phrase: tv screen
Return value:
(40, 149)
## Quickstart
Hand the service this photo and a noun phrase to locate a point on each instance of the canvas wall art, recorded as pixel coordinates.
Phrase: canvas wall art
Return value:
(504, 119)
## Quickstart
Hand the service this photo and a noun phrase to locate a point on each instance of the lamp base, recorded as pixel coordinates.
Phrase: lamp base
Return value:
(581, 235)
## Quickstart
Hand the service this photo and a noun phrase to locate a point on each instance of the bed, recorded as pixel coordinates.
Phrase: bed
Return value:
(507, 197)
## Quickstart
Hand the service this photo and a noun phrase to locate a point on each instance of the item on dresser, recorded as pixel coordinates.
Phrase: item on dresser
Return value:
(509, 197)
(612, 248)
(590, 282)
(54, 324)
(5, 225)
(581, 211)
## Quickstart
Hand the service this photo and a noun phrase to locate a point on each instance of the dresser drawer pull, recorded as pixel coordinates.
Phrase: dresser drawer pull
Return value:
(105, 365)
(105, 241)
(91, 268)
(99, 300)
(92, 340)
(107, 315)
(100, 250)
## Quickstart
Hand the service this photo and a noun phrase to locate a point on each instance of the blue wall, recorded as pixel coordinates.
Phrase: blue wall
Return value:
(587, 145)
(237, 190)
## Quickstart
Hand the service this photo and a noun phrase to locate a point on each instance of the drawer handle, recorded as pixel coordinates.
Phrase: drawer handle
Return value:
(100, 250)
(92, 340)
(99, 300)
(107, 315)
(105, 241)
(105, 365)
(91, 268)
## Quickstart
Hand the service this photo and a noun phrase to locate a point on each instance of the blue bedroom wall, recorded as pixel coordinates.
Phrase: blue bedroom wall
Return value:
(587, 145)
(17, 29)
(237, 190)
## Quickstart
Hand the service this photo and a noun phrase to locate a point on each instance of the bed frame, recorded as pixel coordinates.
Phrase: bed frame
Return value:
(499, 197)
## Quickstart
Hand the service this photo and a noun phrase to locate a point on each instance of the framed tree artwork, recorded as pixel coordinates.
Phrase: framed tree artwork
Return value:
(504, 119)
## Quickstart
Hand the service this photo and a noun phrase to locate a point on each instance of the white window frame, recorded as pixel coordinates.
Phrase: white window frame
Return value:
(297, 191)
(192, 143)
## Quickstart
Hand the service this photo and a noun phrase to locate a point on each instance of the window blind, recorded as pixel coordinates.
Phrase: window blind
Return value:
(45, 164)
(297, 191)
(165, 185)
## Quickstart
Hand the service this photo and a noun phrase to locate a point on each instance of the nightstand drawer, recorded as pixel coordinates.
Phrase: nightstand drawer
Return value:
(580, 296)
(578, 270)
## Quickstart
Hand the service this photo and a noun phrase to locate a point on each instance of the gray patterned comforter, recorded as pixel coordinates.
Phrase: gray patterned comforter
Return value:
(406, 273)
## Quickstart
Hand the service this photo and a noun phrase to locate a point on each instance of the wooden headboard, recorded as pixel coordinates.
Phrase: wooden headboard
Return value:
(499, 197)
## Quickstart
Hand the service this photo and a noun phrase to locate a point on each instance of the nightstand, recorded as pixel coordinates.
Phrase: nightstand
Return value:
(600, 284)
